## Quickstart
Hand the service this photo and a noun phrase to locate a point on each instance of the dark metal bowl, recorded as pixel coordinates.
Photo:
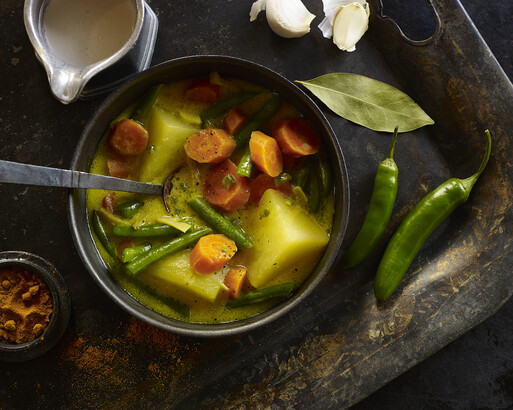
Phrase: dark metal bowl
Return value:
(61, 309)
(175, 70)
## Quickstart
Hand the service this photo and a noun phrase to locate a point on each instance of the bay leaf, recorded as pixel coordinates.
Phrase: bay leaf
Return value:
(368, 102)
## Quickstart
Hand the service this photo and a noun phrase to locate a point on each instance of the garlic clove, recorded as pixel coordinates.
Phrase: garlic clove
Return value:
(331, 8)
(256, 8)
(350, 24)
(287, 18)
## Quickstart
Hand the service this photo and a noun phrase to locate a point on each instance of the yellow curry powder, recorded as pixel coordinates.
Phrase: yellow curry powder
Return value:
(25, 305)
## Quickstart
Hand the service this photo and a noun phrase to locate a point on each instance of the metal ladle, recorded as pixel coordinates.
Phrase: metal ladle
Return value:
(26, 174)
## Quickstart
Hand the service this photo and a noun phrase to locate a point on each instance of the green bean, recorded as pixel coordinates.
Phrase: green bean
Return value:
(228, 181)
(179, 307)
(242, 137)
(223, 106)
(147, 101)
(145, 231)
(220, 223)
(101, 234)
(314, 188)
(325, 177)
(282, 291)
(269, 107)
(302, 177)
(379, 212)
(128, 254)
(159, 252)
(245, 166)
(128, 209)
(418, 225)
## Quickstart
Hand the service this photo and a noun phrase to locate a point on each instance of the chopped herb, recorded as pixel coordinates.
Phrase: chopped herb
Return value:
(228, 181)
(282, 178)
(264, 213)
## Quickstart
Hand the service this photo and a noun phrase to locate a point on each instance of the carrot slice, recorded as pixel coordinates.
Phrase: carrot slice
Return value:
(109, 203)
(265, 153)
(128, 137)
(202, 91)
(234, 280)
(234, 120)
(211, 253)
(209, 146)
(118, 167)
(225, 189)
(296, 137)
(262, 183)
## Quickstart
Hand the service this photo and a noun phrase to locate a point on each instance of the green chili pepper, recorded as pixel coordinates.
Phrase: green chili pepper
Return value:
(379, 212)
(209, 114)
(128, 209)
(101, 233)
(418, 226)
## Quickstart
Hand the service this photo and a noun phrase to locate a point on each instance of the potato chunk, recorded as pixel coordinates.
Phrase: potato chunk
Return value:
(167, 135)
(175, 271)
(288, 242)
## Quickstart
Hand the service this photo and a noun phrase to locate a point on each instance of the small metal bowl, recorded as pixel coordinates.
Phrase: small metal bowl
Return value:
(175, 70)
(59, 318)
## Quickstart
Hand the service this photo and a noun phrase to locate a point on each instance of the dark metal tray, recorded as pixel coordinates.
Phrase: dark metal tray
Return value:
(338, 346)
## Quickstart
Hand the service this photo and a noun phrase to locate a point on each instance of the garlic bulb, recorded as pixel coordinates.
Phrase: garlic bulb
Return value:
(287, 18)
(346, 20)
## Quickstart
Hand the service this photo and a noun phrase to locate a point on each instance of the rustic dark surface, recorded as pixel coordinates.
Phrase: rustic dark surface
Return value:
(476, 370)
(108, 359)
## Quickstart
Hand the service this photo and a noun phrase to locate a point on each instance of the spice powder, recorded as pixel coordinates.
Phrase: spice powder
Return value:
(25, 305)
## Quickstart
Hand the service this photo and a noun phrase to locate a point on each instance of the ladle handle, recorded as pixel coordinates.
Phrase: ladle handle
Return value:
(18, 173)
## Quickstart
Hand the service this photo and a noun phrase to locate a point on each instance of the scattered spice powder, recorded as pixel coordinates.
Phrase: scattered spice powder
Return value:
(102, 355)
(90, 357)
(25, 305)
(129, 365)
(141, 360)
(141, 332)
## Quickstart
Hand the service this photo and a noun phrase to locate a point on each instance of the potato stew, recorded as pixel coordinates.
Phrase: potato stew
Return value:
(247, 207)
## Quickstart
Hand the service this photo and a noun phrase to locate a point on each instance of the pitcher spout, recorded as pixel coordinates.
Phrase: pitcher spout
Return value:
(66, 84)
